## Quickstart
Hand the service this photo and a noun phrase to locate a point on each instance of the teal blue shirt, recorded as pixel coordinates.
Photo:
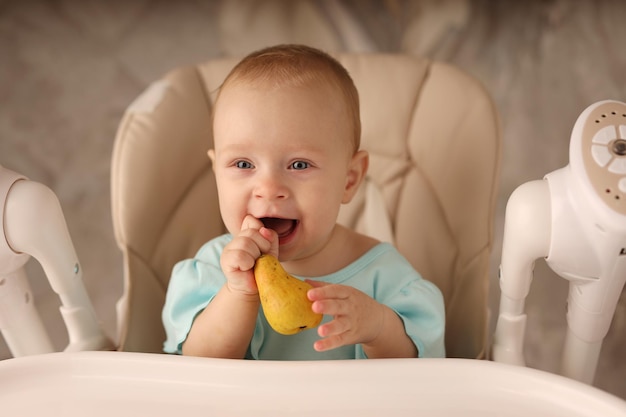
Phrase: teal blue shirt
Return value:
(382, 273)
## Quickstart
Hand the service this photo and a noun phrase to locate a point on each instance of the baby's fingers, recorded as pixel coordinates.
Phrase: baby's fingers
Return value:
(323, 290)
(329, 343)
(334, 334)
(335, 327)
(272, 238)
(251, 222)
(265, 239)
(330, 307)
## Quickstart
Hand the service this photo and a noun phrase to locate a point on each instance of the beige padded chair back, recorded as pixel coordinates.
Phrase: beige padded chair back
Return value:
(433, 136)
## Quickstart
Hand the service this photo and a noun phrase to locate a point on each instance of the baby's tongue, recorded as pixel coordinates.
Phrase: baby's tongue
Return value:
(282, 227)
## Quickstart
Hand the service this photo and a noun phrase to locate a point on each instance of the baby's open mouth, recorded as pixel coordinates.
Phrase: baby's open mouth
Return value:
(282, 227)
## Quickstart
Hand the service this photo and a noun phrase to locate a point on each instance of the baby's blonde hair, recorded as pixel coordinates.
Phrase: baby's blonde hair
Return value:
(298, 65)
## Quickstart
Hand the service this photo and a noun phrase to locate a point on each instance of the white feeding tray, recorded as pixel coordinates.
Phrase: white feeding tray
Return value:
(135, 384)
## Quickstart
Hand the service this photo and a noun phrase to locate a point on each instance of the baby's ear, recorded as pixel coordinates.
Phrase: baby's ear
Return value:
(211, 154)
(356, 173)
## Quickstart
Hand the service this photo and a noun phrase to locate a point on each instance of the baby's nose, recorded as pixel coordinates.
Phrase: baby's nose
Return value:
(270, 186)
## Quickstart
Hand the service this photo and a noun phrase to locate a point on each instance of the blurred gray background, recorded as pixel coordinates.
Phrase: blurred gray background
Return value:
(68, 70)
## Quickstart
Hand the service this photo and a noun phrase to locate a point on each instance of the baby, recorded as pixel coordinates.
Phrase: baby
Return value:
(286, 156)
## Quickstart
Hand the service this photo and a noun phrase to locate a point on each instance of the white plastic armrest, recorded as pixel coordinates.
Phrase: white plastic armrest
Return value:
(526, 238)
(35, 225)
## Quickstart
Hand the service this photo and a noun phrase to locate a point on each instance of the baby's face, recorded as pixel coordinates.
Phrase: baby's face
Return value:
(283, 155)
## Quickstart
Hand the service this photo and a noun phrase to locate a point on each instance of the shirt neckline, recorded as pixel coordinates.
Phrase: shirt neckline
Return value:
(354, 267)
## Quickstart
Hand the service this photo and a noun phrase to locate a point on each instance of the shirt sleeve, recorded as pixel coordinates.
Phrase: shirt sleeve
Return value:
(193, 284)
(420, 306)
(417, 301)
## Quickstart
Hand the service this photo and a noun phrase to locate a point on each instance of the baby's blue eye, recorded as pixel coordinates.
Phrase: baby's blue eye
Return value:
(243, 165)
(300, 165)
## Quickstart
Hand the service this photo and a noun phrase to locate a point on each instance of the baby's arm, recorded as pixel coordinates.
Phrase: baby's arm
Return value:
(358, 318)
(225, 327)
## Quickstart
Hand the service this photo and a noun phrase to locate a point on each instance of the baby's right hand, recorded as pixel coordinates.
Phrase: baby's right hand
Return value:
(241, 253)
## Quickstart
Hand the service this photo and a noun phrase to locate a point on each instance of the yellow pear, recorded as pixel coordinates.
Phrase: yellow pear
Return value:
(283, 297)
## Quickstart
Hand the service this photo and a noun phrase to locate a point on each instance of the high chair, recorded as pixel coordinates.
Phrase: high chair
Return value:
(433, 135)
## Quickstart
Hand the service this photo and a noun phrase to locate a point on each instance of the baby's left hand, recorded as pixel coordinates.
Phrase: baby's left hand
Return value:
(358, 318)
